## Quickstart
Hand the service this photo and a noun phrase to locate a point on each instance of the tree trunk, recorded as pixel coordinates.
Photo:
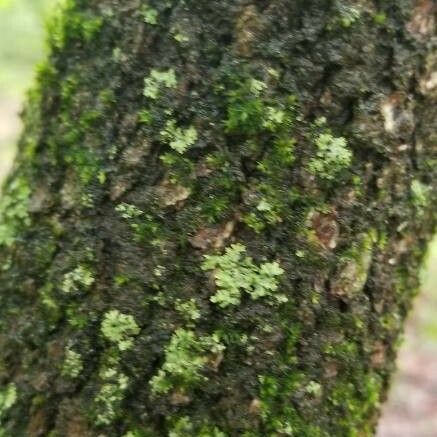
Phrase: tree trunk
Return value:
(216, 217)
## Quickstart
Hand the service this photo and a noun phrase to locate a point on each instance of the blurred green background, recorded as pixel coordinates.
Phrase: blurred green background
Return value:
(21, 47)
(412, 407)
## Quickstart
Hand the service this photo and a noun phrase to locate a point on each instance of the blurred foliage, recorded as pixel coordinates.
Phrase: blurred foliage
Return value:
(426, 323)
(21, 43)
(21, 47)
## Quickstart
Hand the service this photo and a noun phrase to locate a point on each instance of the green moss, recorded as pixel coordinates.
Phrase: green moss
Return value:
(68, 23)
(119, 328)
(268, 206)
(179, 169)
(51, 307)
(280, 417)
(355, 402)
(77, 316)
(234, 273)
(211, 431)
(264, 124)
(380, 18)
(217, 197)
(246, 109)
(183, 427)
(68, 88)
(286, 392)
(145, 116)
(84, 161)
(345, 351)
(14, 210)
(73, 364)
(80, 279)
(144, 227)
(185, 357)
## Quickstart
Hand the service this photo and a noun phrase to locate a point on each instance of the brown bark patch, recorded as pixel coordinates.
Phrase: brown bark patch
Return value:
(422, 23)
(213, 237)
(37, 425)
(326, 228)
(248, 26)
(398, 115)
(171, 194)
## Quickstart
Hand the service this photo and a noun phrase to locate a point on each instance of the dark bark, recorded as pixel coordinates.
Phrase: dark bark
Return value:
(292, 143)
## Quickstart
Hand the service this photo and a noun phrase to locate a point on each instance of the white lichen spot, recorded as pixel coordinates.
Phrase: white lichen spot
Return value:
(387, 110)
(429, 83)
(397, 114)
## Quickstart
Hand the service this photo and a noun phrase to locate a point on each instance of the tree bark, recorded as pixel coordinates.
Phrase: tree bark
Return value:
(216, 217)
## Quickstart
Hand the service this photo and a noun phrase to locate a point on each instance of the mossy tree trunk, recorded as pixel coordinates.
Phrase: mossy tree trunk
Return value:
(216, 217)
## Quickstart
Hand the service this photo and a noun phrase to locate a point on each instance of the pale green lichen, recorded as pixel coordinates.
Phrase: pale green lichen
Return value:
(274, 117)
(235, 273)
(157, 80)
(179, 139)
(73, 364)
(185, 357)
(188, 309)
(119, 328)
(420, 194)
(81, 278)
(8, 397)
(128, 211)
(150, 15)
(183, 427)
(110, 396)
(346, 16)
(314, 388)
(332, 157)
(257, 86)
(181, 38)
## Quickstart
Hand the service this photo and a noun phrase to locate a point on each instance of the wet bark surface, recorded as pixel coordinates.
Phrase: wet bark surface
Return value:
(216, 218)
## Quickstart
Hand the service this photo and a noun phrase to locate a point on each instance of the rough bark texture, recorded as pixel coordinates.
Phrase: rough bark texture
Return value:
(216, 217)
